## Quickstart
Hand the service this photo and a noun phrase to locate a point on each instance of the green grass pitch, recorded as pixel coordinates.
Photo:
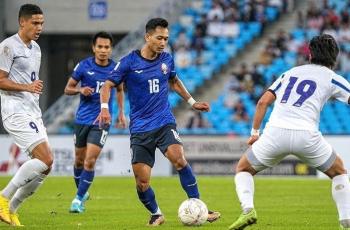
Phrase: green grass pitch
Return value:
(281, 203)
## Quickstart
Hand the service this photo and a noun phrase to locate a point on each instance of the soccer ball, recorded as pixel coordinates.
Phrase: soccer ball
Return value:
(193, 212)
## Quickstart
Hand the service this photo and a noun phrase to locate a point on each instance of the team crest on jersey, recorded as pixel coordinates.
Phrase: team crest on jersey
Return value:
(164, 68)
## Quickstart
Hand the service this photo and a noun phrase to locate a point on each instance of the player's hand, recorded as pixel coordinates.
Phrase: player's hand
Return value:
(252, 139)
(103, 119)
(121, 122)
(201, 106)
(86, 91)
(36, 87)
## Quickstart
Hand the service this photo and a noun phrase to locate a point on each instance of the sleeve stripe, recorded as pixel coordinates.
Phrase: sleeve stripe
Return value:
(277, 87)
(337, 83)
(271, 91)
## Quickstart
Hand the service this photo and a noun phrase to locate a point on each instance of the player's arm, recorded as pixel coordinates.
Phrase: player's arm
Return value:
(177, 85)
(9, 85)
(105, 93)
(264, 102)
(72, 88)
(120, 100)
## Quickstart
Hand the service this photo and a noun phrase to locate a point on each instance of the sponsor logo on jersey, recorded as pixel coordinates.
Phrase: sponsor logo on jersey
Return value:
(138, 71)
(90, 72)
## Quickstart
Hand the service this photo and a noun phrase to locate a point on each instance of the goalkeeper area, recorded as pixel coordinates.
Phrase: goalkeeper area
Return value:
(281, 203)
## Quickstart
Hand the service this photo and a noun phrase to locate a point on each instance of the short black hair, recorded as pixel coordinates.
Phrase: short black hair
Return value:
(27, 10)
(153, 23)
(102, 34)
(324, 50)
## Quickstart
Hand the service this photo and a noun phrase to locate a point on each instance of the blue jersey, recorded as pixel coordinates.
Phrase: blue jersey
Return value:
(92, 75)
(147, 86)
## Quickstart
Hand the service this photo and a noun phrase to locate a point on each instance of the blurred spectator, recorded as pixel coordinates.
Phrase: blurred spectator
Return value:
(257, 78)
(344, 61)
(182, 58)
(265, 57)
(230, 28)
(231, 97)
(216, 12)
(240, 112)
(198, 40)
(215, 27)
(196, 120)
(181, 42)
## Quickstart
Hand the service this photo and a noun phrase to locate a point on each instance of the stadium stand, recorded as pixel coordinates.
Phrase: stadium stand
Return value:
(280, 54)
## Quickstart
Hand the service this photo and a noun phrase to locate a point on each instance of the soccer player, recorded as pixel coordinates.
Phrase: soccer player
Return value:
(20, 58)
(147, 74)
(89, 139)
(298, 96)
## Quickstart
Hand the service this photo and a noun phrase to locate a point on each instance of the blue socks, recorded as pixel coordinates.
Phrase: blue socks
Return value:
(188, 182)
(149, 200)
(77, 173)
(86, 179)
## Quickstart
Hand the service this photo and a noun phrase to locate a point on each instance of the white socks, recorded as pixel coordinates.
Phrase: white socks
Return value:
(25, 174)
(25, 191)
(341, 196)
(245, 190)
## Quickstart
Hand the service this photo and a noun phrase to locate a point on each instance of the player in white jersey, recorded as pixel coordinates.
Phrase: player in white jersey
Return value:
(298, 96)
(20, 87)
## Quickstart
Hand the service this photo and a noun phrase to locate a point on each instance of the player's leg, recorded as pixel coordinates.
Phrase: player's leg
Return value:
(143, 157)
(95, 140)
(30, 135)
(264, 153)
(169, 142)
(78, 164)
(340, 191)
(318, 153)
(245, 191)
(43, 153)
(80, 137)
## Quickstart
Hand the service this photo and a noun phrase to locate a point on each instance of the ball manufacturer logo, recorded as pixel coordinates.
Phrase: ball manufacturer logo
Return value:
(164, 68)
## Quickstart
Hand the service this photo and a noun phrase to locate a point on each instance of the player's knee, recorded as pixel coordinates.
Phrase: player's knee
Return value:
(179, 163)
(48, 160)
(142, 185)
(89, 163)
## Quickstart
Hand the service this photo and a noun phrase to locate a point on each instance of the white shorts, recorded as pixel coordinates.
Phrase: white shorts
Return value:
(27, 132)
(276, 143)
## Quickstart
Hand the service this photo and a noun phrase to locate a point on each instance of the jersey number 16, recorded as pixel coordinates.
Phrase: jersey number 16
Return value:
(153, 85)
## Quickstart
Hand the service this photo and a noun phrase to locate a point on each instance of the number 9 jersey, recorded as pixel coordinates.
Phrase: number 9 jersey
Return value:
(301, 94)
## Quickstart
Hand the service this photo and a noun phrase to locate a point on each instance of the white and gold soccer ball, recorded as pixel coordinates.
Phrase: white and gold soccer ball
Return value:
(193, 212)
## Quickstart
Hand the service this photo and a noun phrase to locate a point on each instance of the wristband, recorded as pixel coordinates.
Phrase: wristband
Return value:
(191, 101)
(255, 132)
(104, 106)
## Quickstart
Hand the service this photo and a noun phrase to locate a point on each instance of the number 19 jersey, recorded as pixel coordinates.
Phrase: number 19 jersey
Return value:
(301, 94)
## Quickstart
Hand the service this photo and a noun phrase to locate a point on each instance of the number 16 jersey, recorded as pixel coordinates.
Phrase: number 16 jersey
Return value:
(147, 85)
(301, 93)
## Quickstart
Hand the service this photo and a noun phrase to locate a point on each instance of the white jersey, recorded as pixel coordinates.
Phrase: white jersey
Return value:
(301, 94)
(22, 62)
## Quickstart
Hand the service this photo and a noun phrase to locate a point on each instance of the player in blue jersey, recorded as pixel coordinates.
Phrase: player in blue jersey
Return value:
(89, 139)
(147, 74)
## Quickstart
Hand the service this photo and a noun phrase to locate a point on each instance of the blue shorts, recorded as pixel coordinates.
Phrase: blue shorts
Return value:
(143, 145)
